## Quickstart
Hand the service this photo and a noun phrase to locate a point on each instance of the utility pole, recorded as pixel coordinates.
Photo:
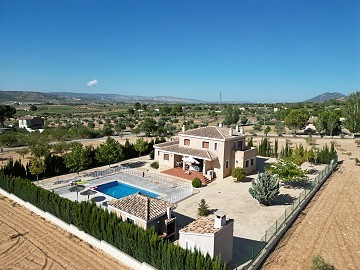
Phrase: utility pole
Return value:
(220, 97)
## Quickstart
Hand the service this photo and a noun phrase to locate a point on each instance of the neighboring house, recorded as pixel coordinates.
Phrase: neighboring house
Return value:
(209, 235)
(146, 212)
(217, 151)
(31, 123)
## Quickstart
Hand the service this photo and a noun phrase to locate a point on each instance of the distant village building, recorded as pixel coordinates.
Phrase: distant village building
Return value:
(31, 123)
(214, 150)
(209, 235)
(146, 212)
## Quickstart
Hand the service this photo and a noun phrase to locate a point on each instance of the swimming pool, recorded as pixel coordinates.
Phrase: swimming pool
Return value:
(119, 190)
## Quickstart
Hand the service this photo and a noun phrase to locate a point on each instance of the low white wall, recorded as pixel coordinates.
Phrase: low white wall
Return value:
(102, 245)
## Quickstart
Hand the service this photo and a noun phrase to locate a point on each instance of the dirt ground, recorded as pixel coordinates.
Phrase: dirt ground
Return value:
(29, 242)
(329, 226)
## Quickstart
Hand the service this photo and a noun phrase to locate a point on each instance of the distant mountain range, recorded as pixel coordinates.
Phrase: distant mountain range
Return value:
(32, 97)
(69, 97)
(126, 98)
(327, 96)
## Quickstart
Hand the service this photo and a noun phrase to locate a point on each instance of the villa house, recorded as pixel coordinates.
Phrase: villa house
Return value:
(209, 235)
(215, 150)
(31, 123)
(146, 212)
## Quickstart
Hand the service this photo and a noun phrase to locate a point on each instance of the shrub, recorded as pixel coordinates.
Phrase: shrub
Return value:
(357, 141)
(357, 162)
(154, 165)
(203, 209)
(287, 171)
(151, 155)
(238, 173)
(318, 263)
(264, 188)
(196, 183)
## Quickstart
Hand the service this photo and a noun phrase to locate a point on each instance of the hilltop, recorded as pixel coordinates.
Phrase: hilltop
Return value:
(327, 96)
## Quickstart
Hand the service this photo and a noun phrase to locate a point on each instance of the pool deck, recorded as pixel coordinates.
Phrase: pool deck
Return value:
(169, 189)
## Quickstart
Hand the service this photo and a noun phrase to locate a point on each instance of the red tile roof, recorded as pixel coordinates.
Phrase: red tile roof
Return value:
(141, 206)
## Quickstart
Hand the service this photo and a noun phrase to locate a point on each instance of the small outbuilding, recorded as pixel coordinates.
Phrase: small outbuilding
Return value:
(146, 212)
(210, 235)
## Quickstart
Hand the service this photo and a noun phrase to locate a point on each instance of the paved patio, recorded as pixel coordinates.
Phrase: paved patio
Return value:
(184, 174)
(251, 220)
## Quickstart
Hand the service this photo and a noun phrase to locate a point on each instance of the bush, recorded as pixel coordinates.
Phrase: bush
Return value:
(318, 263)
(196, 183)
(154, 165)
(357, 141)
(357, 162)
(287, 171)
(264, 188)
(238, 173)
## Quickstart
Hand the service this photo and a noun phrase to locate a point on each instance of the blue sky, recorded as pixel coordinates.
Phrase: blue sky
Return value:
(260, 51)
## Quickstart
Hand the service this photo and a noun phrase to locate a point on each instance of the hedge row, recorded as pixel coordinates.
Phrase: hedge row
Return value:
(143, 245)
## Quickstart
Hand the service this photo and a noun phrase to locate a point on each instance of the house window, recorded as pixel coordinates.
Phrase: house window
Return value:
(166, 156)
(235, 144)
(130, 220)
(240, 144)
(205, 144)
(227, 164)
(215, 146)
(186, 141)
(252, 161)
(246, 163)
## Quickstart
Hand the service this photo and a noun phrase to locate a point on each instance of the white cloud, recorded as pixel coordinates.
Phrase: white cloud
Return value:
(91, 83)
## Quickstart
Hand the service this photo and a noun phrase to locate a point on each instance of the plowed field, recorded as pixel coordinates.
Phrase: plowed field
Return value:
(329, 226)
(29, 242)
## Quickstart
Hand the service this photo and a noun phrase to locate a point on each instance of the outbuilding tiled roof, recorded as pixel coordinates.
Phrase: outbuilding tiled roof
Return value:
(186, 151)
(141, 206)
(212, 132)
(203, 225)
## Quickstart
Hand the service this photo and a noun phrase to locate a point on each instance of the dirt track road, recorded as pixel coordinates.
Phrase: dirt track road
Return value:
(330, 225)
(29, 242)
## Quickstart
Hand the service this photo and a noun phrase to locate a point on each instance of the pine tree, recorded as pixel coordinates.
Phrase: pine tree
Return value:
(264, 188)
(203, 209)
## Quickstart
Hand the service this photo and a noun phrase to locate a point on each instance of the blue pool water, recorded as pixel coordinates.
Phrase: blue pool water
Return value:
(120, 190)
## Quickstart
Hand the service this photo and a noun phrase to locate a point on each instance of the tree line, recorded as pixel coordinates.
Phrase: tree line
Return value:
(61, 158)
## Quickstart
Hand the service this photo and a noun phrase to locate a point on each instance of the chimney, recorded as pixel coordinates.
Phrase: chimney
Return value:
(183, 129)
(220, 220)
(237, 128)
(230, 131)
(168, 212)
(242, 131)
(220, 125)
